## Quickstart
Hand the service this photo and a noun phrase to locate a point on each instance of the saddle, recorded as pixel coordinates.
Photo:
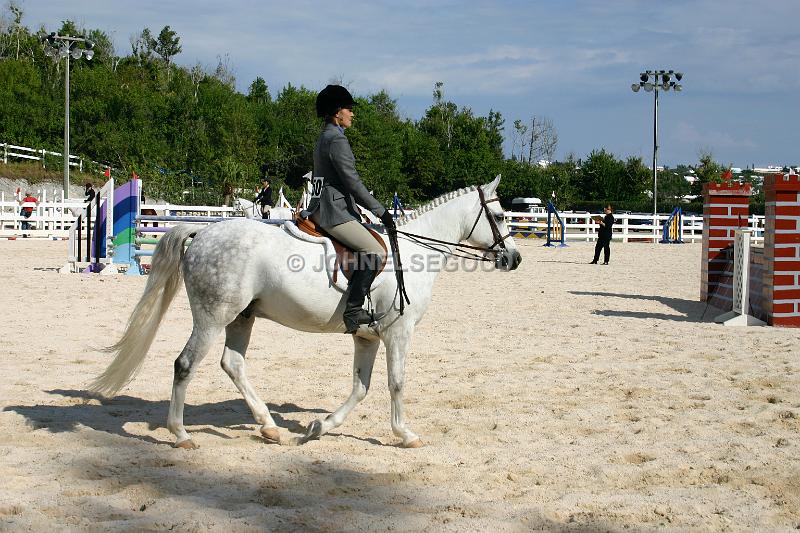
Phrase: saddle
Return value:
(305, 229)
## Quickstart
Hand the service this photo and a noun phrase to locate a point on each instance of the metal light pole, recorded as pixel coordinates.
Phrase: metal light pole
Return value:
(653, 80)
(58, 46)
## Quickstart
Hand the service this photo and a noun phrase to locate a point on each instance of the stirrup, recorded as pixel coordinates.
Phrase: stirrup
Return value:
(364, 318)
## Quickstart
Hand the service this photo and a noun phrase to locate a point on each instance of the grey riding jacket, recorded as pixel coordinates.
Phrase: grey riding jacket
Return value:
(342, 187)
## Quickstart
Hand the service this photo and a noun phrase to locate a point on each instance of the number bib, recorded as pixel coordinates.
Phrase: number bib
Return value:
(317, 184)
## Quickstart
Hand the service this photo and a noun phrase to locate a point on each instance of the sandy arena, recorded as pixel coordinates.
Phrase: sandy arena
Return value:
(562, 396)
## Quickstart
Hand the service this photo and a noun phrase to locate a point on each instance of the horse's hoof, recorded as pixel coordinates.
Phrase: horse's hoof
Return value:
(271, 435)
(416, 443)
(187, 444)
(314, 431)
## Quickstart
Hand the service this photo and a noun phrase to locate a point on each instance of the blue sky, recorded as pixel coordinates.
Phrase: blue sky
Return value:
(572, 61)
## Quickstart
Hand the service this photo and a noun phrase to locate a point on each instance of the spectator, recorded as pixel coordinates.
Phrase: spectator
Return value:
(89, 193)
(27, 210)
(227, 194)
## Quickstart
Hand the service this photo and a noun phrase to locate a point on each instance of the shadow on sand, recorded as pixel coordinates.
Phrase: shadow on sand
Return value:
(111, 415)
(690, 310)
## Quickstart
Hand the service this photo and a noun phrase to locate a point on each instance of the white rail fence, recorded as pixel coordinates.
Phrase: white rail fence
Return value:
(34, 154)
(627, 228)
(52, 217)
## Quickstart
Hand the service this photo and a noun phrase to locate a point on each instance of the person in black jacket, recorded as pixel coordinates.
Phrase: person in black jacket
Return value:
(604, 237)
(88, 193)
(264, 198)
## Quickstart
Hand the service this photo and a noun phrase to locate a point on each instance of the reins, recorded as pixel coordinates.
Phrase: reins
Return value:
(458, 249)
(499, 239)
(398, 269)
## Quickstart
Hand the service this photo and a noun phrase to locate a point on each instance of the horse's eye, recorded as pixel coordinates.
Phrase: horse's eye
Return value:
(499, 217)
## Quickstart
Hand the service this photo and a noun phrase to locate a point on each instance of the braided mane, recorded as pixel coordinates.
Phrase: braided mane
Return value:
(436, 202)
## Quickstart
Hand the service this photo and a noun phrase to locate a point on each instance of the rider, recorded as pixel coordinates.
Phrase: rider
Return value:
(264, 197)
(337, 189)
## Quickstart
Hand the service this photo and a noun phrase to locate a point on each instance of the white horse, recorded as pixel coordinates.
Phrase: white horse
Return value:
(238, 270)
(250, 209)
(253, 210)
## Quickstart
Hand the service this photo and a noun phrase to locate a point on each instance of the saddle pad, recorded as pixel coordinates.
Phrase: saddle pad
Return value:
(329, 250)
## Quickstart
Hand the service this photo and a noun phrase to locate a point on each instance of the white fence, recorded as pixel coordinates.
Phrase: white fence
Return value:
(33, 154)
(52, 217)
(627, 228)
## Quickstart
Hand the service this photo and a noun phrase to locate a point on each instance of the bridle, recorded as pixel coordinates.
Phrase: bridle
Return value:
(499, 240)
(460, 250)
(496, 248)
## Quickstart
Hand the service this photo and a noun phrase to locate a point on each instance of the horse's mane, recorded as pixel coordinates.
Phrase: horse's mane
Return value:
(434, 203)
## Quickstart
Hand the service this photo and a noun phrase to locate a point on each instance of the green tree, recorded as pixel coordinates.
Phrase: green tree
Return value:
(167, 45)
(376, 138)
(25, 107)
(672, 186)
(259, 92)
(707, 171)
(605, 178)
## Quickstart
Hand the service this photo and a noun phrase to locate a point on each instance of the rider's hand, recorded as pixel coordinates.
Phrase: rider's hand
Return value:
(388, 220)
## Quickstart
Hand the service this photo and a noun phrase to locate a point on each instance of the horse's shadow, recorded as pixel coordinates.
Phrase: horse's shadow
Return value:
(690, 310)
(111, 415)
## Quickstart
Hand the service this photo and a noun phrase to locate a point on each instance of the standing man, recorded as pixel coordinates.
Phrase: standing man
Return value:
(28, 203)
(604, 236)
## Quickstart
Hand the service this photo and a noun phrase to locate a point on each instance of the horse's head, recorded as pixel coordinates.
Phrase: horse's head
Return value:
(489, 230)
(245, 206)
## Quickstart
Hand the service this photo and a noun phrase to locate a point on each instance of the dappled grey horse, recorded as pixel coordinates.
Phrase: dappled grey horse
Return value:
(237, 270)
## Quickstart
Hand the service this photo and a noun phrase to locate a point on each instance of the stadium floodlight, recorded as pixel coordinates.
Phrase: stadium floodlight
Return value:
(63, 47)
(652, 81)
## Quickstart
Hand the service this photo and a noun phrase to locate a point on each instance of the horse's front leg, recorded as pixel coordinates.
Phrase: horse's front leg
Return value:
(397, 346)
(363, 360)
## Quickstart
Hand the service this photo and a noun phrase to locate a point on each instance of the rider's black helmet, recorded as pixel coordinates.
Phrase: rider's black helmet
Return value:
(333, 98)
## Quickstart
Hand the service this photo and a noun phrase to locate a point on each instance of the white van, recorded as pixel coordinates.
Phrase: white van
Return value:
(528, 205)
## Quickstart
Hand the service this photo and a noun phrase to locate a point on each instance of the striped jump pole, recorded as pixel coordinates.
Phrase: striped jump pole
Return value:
(672, 230)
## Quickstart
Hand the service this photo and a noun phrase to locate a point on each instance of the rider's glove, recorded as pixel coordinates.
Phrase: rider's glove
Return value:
(388, 220)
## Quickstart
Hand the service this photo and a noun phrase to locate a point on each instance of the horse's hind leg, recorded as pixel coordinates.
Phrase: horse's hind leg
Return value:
(363, 360)
(237, 338)
(185, 365)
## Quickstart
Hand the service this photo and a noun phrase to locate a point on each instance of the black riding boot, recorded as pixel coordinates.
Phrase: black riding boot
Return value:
(354, 315)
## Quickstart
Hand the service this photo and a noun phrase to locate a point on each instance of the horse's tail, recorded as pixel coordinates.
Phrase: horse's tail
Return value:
(162, 284)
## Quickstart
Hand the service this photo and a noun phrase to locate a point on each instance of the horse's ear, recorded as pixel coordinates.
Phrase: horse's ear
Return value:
(490, 188)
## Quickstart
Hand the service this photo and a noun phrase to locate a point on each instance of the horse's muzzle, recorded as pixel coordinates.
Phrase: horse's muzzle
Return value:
(508, 259)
